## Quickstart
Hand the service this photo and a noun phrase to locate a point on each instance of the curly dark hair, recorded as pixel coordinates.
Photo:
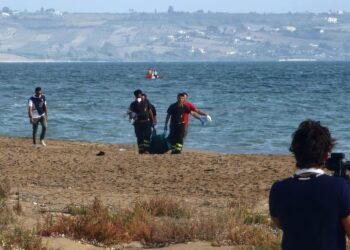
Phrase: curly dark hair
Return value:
(311, 144)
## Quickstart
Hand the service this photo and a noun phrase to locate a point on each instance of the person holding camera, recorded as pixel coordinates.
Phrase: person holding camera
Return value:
(311, 207)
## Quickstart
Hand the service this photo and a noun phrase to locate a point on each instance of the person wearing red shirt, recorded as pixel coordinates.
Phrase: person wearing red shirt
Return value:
(193, 109)
(175, 114)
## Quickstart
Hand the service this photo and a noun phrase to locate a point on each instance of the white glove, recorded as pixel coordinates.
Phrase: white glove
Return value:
(132, 117)
(209, 118)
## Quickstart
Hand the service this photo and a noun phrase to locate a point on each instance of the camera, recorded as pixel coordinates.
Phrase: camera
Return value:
(338, 165)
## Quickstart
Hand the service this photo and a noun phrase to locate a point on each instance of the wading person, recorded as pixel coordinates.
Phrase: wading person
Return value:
(38, 114)
(176, 113)
(311, 207)
(140, 110)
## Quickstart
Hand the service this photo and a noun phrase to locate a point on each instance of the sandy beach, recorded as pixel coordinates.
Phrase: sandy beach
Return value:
(70, 172)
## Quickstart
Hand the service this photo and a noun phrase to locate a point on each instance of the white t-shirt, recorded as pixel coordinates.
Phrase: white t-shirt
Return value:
(35, 113)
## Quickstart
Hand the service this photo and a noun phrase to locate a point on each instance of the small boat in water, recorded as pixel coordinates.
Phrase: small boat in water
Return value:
(152, 74)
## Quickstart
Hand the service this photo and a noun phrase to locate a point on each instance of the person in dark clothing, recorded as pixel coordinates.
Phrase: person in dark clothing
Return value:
(38, 113)
(140, 110)
(311, 208)
(154, 111)
(176, 113)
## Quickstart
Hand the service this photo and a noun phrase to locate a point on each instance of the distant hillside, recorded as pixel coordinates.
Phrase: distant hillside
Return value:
(176, 36)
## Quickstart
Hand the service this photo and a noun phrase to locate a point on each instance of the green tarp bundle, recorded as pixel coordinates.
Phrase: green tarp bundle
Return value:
(159, 143)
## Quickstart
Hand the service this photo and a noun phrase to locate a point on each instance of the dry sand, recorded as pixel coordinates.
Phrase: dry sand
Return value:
(64, 172)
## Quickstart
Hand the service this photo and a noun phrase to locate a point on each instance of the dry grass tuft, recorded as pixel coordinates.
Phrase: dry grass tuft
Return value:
(6, 217)
(162, 206)
(22, 239)
(13, 237)
(17, 208)
(154, 232)
(263, 246)
(252, 230)
(97, 225)
(75, 210)
(161, 222)
(5, 188)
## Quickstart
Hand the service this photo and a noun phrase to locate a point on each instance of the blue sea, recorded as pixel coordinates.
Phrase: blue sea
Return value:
(255, 107)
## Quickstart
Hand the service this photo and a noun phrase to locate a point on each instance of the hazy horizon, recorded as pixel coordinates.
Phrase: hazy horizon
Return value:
(151, 6)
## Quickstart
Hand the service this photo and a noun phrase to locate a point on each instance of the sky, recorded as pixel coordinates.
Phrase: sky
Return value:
(232, 6)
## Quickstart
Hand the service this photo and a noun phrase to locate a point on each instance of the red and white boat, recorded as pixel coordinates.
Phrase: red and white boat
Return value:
(152, 74)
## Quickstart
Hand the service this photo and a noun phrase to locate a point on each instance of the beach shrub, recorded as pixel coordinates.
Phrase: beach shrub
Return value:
(22, 239)
(75, 209)
(97, 225)
(159, 232)
(251, 235)
(263, 246)
(17, 208)
(160, 222)
(212, 226)
(5, 188)
(256, 219)
(161, 206)
(6, 217)
(252, 230)
(14, 237)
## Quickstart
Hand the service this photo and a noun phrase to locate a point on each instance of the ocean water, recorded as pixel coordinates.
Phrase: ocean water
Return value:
(255, 106)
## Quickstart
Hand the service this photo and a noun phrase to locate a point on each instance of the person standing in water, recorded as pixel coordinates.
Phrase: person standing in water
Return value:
(38, 113)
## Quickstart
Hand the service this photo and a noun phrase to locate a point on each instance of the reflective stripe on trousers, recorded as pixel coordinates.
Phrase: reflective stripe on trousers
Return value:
(144, 146)
(177, 147)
